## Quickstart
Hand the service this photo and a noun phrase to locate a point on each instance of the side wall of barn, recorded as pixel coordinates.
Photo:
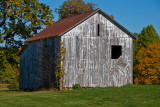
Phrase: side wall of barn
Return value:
(37, 64)
(29, 67)
(88, 56)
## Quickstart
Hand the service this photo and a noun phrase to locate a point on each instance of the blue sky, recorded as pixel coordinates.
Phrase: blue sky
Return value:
(132, 14)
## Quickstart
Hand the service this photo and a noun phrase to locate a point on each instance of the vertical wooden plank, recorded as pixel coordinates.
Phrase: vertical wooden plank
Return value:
(88, 57)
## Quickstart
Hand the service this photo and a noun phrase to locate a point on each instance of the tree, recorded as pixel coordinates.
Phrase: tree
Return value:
(147, 35)
(73, 7)
(21, 19)
(135, 43)
(9, 64)
(147, 71)
(3, 60)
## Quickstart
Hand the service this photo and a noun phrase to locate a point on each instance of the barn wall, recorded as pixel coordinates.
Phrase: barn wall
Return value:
(29, 67)
(38, 58)
(88, 56)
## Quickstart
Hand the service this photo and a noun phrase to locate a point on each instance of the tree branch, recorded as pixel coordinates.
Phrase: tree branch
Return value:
(4, 16)
(4, 20)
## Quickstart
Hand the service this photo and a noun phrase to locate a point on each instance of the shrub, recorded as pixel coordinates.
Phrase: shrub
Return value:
(13, 85)
(76, 86)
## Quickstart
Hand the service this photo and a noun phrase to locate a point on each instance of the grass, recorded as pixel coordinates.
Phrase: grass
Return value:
(130, 95)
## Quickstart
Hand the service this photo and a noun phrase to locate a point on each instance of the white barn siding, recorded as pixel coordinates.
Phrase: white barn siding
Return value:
(88, 57)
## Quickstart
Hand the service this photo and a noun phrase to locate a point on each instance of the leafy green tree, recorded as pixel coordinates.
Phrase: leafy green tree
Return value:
(3, 60)
(9, 64)
(73, 7)
(19, 20)
(147, 35)
(9, 73)
(135, 43)
(22, 19)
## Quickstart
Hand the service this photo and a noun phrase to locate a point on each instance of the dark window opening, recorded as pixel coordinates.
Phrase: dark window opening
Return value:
(98, 28)
(116, 51)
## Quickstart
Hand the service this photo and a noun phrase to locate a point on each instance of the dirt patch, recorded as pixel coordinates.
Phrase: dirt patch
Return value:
(4, 86)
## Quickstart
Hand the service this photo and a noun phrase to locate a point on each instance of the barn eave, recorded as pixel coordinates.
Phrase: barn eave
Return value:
(108, 17)
(84, 19)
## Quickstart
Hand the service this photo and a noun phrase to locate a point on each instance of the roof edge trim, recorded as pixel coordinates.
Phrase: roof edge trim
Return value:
(114, 21)
(80, 22)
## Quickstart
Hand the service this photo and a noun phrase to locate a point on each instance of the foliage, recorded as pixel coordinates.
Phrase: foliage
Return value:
(2, 63)
(147, 71)
(9, 74)
(59, 66)
(148, 35)
(143, 96)
(13, 85)
(9, 64)
(73, 7)
(76, 86)
(135, 44)
(21, 19)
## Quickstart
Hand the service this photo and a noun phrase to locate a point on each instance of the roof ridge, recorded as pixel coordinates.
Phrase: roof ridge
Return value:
(64, 25)
(51, 30)
(79, 14)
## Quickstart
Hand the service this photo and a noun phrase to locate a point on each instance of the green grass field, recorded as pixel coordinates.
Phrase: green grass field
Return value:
(128, 96)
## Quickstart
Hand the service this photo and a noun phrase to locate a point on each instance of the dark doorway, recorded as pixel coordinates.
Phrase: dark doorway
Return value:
(116, 51)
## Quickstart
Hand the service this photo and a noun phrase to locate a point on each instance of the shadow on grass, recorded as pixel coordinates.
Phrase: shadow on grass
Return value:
(9, 91)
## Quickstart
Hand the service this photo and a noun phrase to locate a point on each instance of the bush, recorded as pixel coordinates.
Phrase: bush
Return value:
(13, 85)
(76, 86)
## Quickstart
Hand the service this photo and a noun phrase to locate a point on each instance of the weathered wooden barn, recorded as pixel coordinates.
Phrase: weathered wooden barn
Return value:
(99, 53)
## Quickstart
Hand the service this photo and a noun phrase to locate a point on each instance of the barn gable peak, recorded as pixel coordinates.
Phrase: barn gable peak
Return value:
(62, 26)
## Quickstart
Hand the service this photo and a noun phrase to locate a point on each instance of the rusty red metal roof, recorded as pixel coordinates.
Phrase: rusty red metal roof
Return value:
(63, 25)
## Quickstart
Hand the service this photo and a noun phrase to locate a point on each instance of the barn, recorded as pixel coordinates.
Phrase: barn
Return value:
(99, 53)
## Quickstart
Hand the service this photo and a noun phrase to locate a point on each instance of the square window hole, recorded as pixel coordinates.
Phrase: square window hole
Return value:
(116, 51)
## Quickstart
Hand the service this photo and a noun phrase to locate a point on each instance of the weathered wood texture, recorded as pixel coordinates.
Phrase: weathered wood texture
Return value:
(88, 57)
(37, 64)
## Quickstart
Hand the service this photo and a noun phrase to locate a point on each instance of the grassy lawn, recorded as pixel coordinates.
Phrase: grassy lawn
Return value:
(130, 95)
